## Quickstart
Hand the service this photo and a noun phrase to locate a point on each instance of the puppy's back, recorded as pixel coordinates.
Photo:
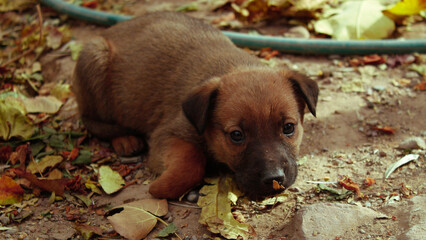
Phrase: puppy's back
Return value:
(152, 64)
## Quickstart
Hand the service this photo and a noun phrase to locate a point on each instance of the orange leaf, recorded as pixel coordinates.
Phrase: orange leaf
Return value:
(421, 86)
(91, 4)
(373, 59)
(10, 191)
(347, 183)
(50, 185)
(386, 129)
(369, 181)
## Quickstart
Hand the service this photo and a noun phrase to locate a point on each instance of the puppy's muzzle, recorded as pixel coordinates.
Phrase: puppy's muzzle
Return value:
(277, 175)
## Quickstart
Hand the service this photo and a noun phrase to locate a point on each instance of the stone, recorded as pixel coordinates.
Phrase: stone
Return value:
(413, 143)
(411, 217)
(329, 220)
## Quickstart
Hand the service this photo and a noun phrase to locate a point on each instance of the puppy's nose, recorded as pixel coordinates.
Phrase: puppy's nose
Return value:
(277, 175)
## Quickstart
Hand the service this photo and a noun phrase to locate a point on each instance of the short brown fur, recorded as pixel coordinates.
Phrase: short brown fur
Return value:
(184, 88)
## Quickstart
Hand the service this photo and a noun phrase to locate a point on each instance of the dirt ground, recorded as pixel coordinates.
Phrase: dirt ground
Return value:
(339, 141)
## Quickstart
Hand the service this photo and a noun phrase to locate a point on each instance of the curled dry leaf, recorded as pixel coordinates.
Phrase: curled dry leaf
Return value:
(13, 122)
(276, 185)
(136, 220)
(385, 129)
(406, 159)
(216, 209)
(369, 181)
(347, 183)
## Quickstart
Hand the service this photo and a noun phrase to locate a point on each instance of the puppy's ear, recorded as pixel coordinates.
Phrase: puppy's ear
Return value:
(199, 103)
(305, 87)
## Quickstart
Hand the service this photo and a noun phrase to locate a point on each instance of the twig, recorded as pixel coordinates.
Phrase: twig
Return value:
(40, 22)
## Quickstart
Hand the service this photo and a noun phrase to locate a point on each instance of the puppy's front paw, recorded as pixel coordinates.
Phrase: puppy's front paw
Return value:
(185, 167)
(128, 145)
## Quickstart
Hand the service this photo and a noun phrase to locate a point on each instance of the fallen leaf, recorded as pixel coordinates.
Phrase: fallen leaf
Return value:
(353, 86)
(419, 68)
(407, 7)
(10, 191)
(55, 174)
(86, 200)
(44, 163)
(276, 185)
(88, 231)
(13, 122)
(373, 59)
(337, 194)
(369, 181)
(188, 7)
(42, 104)
(386, 129)
(75, 49)
(421, 86)
(168, 230)
(406, 159)
(61, 91)
(216, 209)
(57, 186)
(136, 220)
(22, 152)
(356, 20)
(84, 158)
(5, 152)
(11, 5)
(110, 180)
(347, 183)
(90, 4)
(92, 186)
(280, 198)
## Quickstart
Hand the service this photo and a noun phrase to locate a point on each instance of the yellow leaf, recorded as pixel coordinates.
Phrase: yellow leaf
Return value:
(92, 186)
(10, 5)
(356, 20)
(45, 162)
(280, 198)
(216, 212)
(407, 7)
(61, 91)
(110, 180)
(135, 220)
(42, 104)
(13, 122)
(55, 174)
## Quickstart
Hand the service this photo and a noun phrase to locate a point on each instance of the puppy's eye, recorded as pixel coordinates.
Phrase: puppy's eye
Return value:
(288, 129)
(236, 136)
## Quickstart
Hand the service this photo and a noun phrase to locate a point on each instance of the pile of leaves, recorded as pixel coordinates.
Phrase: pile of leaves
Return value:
(342, 20)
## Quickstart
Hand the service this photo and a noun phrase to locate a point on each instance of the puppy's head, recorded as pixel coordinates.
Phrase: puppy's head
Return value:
(252, 122)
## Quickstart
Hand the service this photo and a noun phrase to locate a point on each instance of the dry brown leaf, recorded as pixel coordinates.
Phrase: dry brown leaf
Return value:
(136, 220)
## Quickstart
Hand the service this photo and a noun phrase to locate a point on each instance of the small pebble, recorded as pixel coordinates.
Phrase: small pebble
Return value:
(413, 143)
(362, 231)
(192, 196)
(411, 74)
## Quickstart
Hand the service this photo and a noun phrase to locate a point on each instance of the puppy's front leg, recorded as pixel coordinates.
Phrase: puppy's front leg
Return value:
(184, 168)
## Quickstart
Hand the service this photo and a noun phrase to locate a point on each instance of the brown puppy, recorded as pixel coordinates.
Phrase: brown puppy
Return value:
(194, 97)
